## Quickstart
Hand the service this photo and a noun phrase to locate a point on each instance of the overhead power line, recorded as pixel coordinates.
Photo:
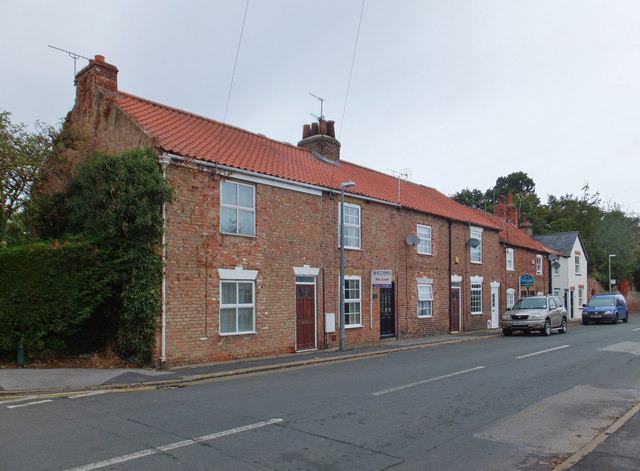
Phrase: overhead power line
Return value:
(246, 8)
(353, 60)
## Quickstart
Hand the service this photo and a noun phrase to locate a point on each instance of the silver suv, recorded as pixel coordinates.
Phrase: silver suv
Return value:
(543, 313)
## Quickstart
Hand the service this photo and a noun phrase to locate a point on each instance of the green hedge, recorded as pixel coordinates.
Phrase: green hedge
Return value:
(47, 292)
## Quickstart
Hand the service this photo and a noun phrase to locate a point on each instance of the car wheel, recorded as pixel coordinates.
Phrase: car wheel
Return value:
(615, 320)
(507, 332)
(585, 322)
(563, 327)
(547, 328)
(626, 319)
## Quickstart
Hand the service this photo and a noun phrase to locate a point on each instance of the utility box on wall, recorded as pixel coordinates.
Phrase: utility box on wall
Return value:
(329, 322)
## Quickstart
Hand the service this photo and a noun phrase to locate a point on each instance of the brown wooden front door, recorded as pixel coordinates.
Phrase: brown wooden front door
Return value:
(455, 310)
(305, 317)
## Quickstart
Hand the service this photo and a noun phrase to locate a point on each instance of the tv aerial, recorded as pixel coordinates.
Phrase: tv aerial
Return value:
(321, 100)
(74, 55)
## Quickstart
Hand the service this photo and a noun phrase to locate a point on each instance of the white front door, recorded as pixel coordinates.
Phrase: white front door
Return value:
(495, 304)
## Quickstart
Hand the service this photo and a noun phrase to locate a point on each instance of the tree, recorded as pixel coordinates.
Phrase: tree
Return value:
(473, 199)
(22, 156)
(515, 183)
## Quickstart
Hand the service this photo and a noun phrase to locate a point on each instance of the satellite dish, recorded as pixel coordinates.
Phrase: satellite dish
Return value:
(555, 264)
(473, 243)
(412, 240)
(553, 257)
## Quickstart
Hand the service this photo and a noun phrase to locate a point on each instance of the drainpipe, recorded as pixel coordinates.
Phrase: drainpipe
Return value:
(450, 273)
(165, 160)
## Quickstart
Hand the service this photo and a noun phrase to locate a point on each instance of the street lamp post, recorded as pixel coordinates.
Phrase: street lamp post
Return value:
(610, 255)
(342, 187)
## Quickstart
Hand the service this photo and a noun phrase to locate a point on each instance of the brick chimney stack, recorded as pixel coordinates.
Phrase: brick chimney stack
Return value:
(500, 208)
(526, 226)
(321, 139)
(103, 74)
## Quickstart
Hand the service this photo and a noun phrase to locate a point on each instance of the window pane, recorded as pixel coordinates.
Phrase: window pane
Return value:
(352, 216)
(424, 308)
(352, 313)
(228, 295)
(228, 220)
(245, 319)
(245, 196)
(228, 191)
(227, 321)
(245, 293)
(352, 289)
(245, 222)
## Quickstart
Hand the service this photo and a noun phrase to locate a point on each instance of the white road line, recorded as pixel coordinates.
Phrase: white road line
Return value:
(542, 351)
(424, 381)
(87, 394)
(19, 399)
(29, 404)
(635, 329)
(172, 446)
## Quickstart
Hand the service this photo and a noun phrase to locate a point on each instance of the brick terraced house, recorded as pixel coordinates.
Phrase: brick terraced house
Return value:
(525, 261)
(252, 237)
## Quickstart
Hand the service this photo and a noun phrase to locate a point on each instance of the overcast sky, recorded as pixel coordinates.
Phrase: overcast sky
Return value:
(459, 92)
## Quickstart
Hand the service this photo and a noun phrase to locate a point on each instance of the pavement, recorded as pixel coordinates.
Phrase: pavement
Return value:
(616, 448)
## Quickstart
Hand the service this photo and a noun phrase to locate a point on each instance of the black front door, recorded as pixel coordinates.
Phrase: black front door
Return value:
(387, 312)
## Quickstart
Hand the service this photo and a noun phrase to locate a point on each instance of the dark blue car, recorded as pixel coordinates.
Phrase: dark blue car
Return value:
(605, 308)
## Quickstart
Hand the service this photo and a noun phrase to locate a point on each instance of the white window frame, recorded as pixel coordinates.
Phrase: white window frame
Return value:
(539, 264)
(475, 288)
(475, 253)
(580, 297)
(424, 233)
(510, 259)
(577, 264)
(511, 297)
(425, 300)
(350, 226)
(237, 207)
(352, 301)
(237, 306)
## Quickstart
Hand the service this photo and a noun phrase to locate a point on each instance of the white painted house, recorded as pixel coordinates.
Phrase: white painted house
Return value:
(569, 276)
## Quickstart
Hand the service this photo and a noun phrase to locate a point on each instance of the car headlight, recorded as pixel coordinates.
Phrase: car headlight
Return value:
(506, 317)
(608, 312)
(534, 316)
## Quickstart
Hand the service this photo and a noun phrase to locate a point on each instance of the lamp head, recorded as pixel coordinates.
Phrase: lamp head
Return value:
(346, 184)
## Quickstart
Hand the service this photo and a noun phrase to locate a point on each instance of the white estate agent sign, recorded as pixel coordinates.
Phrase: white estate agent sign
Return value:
(381, 278)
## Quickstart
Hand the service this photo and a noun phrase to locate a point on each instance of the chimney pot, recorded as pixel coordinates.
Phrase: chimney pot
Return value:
(314, 129)
(99, 58)
(323, 127)
(331, 129)
(306, 131)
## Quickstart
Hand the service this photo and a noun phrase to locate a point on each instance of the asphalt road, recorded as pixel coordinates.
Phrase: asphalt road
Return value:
(517, 403)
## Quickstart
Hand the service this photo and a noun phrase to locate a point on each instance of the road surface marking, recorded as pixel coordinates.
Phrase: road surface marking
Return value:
(543, 351)
(87, 394)
(172, 446)
(424, 381)
(636, 329)
(29, 404)
(19, 399)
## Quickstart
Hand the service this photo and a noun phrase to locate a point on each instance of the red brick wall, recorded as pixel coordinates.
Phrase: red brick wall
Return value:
(292, 230)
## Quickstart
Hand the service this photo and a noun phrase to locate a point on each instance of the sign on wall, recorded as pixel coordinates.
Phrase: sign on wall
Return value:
(381, 278)
(527, 280)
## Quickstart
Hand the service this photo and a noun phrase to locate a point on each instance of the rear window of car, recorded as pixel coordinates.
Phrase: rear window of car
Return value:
(601, 302)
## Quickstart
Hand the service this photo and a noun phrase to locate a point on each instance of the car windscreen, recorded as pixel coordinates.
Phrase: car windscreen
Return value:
(531, 303)
(601, 302)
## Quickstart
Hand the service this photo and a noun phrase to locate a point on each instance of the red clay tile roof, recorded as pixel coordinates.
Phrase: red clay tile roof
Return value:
(189, 135)
(511, 235)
